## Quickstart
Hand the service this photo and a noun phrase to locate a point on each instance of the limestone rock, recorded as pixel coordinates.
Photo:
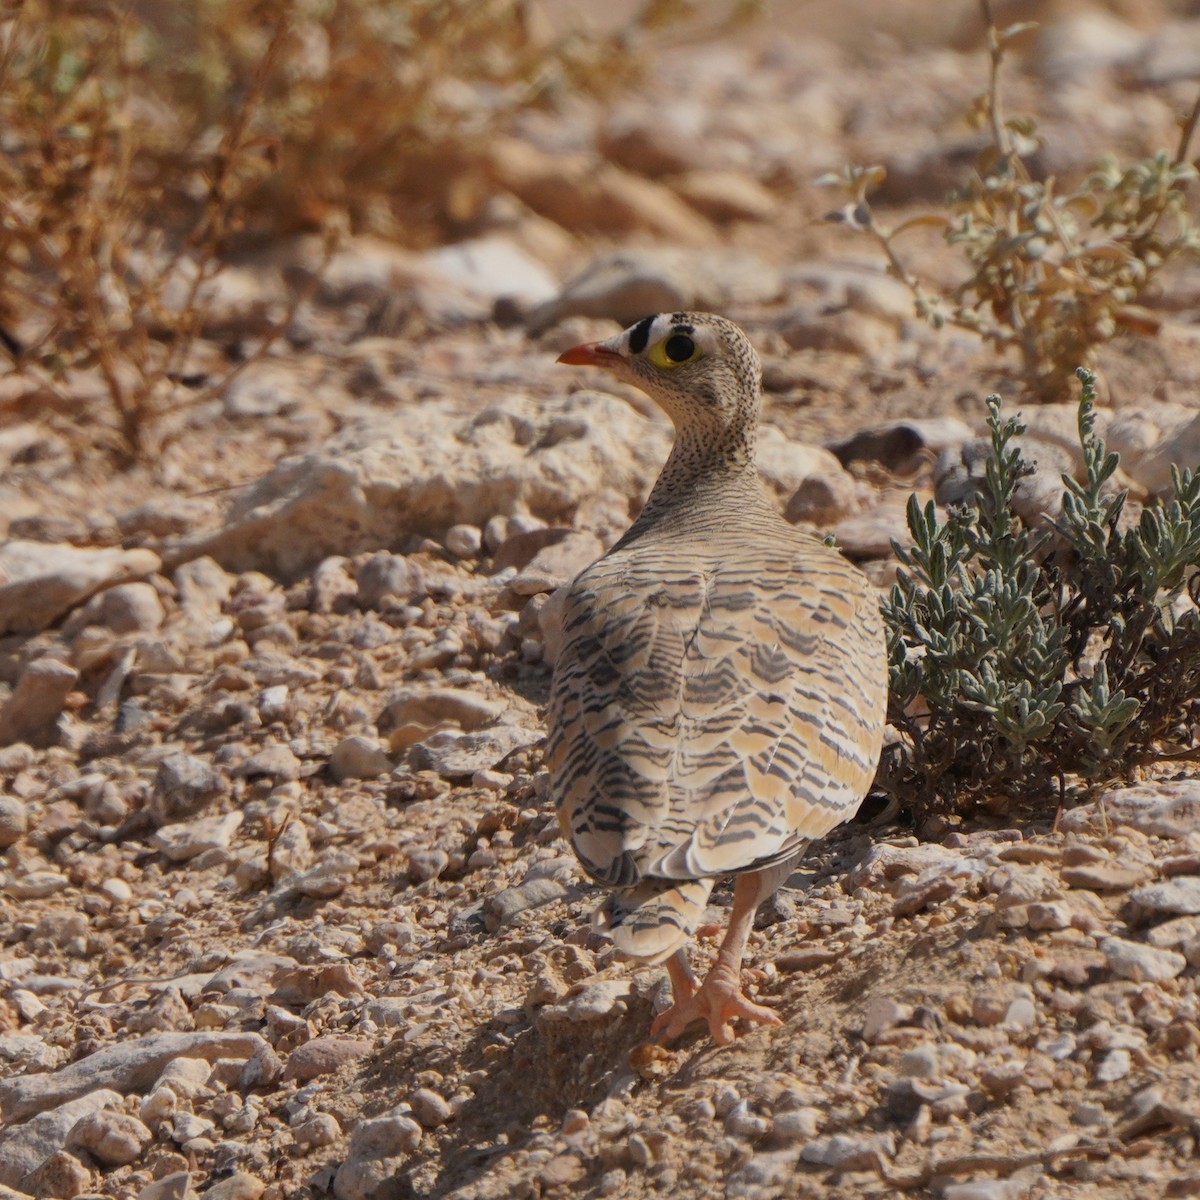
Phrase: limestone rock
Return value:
(114, 1139)
(133, 1063)
(24, 1147)
(626, 285)
(453, 755)
(37, 702)
(378, 483)
(39, 581)
(376, 1153)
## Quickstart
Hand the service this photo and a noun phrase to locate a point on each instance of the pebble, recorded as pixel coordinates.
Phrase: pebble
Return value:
(1104, 876)
(276, 762)
(388, 577)
(124, 1067)
(986, 1189)
(375, 1155)
(184, 785)
(14, 820)
(176, 1186)
(589, 1002)
(358, 757)
(186, 1077)
(1134, 960)
(131, 608)
(429, 1108)
(455, 755)
(1116, 1064)
(1172, 897)
(323, 1056)
(464, 541)
(31, 713)
(23, 1147)
(239, 1186)
(189, 839)
(319, 1129)
(61, 1174)
(112, 1138)
(42, 580)
(846, 1152)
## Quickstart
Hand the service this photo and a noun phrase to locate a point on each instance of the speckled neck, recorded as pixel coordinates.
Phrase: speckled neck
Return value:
(709, 482)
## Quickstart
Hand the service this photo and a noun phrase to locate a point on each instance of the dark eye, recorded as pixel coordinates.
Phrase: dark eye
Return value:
(679, 348)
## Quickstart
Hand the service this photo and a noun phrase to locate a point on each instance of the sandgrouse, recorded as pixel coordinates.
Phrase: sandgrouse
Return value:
(718, 700)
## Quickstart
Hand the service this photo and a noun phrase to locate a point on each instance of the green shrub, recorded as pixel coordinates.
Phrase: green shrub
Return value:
(1028, 663)
(1054, 269)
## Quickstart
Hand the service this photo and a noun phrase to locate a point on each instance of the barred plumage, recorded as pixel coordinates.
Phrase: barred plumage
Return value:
(718, 699)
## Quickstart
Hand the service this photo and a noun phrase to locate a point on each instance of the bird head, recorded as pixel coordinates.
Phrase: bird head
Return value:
(699, 368)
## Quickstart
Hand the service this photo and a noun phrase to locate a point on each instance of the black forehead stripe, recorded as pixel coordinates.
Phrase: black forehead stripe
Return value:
(683, 329)
(639, 335)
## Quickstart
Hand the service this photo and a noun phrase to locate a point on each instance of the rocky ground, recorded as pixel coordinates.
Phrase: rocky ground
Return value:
(285, 909)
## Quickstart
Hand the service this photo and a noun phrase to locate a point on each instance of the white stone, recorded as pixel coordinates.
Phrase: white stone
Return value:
(39, 581)
(189, 839)
(1134, 960)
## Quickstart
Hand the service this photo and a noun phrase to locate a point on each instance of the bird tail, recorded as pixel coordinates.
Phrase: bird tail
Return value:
(651, 921)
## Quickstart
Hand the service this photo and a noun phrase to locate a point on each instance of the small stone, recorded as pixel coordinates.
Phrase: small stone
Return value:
(1104, 876)
(429, 1108)
(589, 1002)
(796, 1125)
(1179, 897)
(111, 1138)
(187, 1077)
(323, 1056)
(160, 1105)
(42, 580)
(424, 865)
(14, 820)
(276, 762)
(190, 839)
(1133, 960)
(846, 1152)
(464, 541)
(262, 1069)
(1050, 914)
(23, 1147)
(1116, 1064)
(454, 755)
(986, 1189)
(183, 786)
(61, 1175)
(32, 711)
(921, 1062)
(388, 576)
(131, 608)
(321, 1129)
(358, 757)
(1020, 1014)
(741, 1121)
(884, 1013)
(562, 1170)
(177, 1186)
(374, 1157)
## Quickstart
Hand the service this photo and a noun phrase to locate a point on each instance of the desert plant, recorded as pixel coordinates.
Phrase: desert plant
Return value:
(107, 257)
(1055, 270)
(1026, 663)
(140, 142)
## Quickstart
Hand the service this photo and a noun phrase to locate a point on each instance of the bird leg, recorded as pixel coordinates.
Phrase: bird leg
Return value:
(719, 1000)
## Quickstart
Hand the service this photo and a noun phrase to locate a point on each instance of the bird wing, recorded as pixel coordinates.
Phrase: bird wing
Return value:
(713, 707)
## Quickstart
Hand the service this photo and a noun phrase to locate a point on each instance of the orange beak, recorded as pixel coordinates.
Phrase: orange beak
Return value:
(590, 354)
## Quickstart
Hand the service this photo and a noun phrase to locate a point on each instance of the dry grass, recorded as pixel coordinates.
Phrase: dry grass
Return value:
(141, 141)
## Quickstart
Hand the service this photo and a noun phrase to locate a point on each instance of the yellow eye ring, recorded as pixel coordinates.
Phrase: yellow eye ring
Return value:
(673, 351)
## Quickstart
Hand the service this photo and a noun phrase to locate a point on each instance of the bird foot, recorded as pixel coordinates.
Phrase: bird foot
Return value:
(720, 1001)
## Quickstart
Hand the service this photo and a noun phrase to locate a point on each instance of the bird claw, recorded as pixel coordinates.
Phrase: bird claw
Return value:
(717, 1001)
